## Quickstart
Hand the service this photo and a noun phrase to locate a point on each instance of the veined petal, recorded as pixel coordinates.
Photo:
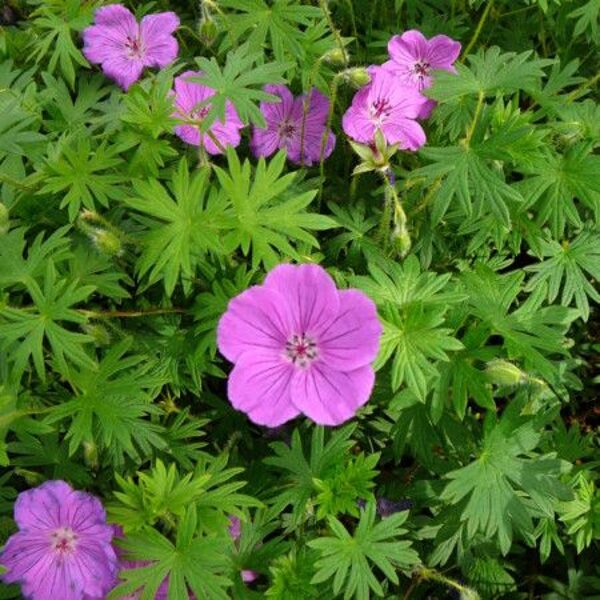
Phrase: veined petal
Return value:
(160, 45)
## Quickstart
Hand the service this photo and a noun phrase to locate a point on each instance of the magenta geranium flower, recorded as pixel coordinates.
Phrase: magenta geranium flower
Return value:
(123, 47)
(389, 106)
(63, 546)
(189, 96)
(288, 127)
(300, 346)
(414, 58)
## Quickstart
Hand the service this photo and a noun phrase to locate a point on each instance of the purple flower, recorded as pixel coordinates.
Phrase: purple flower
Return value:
(235, 531)
(188, 96)
(285, 128)
(123, 47)
(385, 105)
(299, 346)
(414, 57)
(63, 546)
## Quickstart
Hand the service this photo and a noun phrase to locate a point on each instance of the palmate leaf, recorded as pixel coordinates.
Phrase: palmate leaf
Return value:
(350, 558)
(24, 331)
(468, 184)
(182, 224)
(300, 473)
(490, 71)
(240, 81)
(57, 21)
(572, 266)
(82, 175)
(557, 182)
(588, 18)
(508, 485)
(279, 21)
(532, 333)
(16, 131)
(112, 405)
(194, 563)
(266, 213)
(412, 308)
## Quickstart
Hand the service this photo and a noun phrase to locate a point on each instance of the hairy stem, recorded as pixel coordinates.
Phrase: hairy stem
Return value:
(338, 38)
(478, 30)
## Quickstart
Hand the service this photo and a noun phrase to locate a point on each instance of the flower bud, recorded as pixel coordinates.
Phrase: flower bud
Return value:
(401, 240)
(98, 332)
(335, 56)
(359, 76)
(502, 372)
(90, 454)
(106, 242)
(4, 219)
(207, 30)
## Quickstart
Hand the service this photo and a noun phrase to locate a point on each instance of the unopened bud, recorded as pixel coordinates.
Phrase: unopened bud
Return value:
(90, 454)
(336, 56)
(207, 30)
(4, 219)
(106, 242)
(98, 332)
(359, 76)
(401, 241)
(502, 372)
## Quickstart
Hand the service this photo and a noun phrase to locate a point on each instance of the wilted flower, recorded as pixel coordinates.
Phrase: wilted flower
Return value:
(414, 57)
(63, 546)
(389, 107)
(123, 47)
(287, 126)
(300, 346)
(189, 96)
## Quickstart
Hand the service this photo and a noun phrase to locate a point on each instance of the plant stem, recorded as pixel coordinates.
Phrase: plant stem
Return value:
(585, 86)
(478, 108)
(478, 30)
(109, 314)
(334, 29)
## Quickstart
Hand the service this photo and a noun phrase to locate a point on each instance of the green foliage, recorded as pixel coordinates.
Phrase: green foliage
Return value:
(350, 558)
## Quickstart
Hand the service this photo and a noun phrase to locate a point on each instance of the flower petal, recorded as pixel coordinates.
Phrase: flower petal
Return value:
(357, 124)
(125, 71)
(352, 339)
(313, 299)
(258, 319)
(106, 39)
(406, 132)
(264, 142)
(408, 48)
(39, 508)
(160, 45)
(442, 51)
(259, 386)
(330, 397)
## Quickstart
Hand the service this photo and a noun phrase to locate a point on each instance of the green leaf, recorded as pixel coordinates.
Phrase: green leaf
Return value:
(240, 81)
(572, 266)
(350, 558)
(23, 331)
(266, 211)
(497, 491)
(112, 406)
(182, 224)
(284, 23)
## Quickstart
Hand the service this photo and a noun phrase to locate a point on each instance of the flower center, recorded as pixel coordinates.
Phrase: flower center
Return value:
(301, 350)
(286, 130)
(380, 109)
(63, 540)
(200, 113)
(422, 68)
(134, 46)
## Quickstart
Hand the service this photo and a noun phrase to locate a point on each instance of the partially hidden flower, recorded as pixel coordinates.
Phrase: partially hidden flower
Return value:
(388, 106)
(414, 58)
(63, 547)
(300, 346)
(294, 124)
(235, 531)
(191, 107)
(125, 47)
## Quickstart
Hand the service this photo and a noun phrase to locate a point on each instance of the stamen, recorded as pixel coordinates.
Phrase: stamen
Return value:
(380, 109)
(286, 130)
(301, 350)
(63, 540)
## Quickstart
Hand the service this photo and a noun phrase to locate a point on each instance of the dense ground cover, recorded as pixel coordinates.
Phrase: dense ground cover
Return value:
(298, 300)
